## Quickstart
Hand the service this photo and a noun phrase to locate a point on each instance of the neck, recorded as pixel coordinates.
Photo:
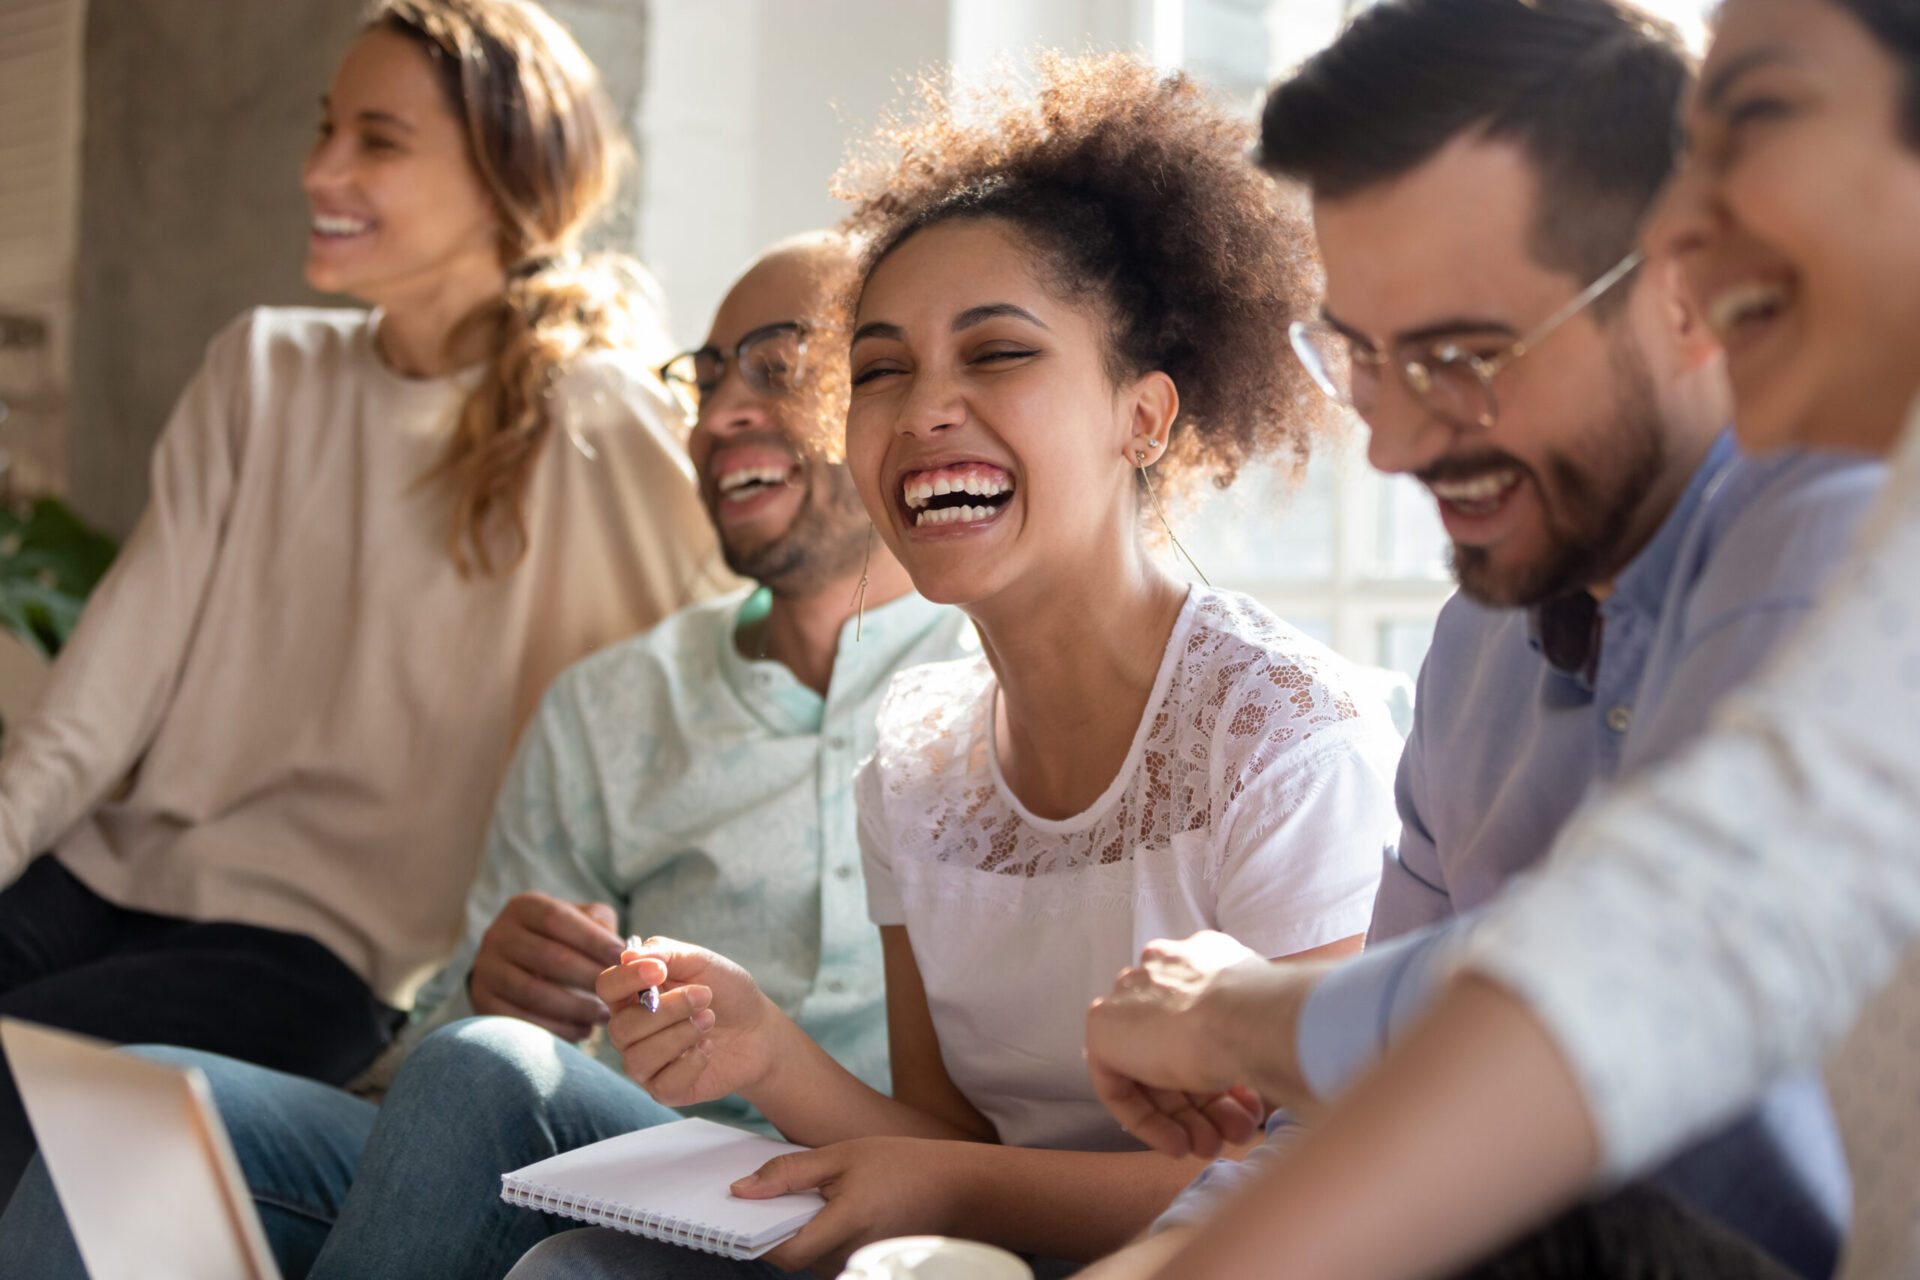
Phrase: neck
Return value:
(803, 632)
(420, 330)
(1076, 660)
(1689, 451)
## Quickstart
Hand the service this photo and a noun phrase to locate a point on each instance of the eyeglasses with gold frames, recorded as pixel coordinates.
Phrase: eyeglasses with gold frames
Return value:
(1452, 382)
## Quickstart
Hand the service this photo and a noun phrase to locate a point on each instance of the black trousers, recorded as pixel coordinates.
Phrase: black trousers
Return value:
(1640, 1233)
(71, 959)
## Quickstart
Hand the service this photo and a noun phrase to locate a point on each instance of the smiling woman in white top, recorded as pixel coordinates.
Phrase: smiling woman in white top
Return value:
(1722, 922)
(1058, 295)
(245, 813)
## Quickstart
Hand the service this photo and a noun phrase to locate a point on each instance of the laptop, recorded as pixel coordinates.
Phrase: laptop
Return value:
(140, 1160)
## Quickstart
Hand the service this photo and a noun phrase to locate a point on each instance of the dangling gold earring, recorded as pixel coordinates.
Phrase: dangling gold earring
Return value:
(860, 589)
(1140, 462)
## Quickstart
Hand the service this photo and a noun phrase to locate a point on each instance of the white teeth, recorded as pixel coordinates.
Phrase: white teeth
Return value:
(952, 515)
(919, 491)
(328, 224)
(735, 480)
(1743, 302)
(1481, 488)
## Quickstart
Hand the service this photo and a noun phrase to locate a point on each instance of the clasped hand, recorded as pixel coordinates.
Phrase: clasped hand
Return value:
(1176, 1050)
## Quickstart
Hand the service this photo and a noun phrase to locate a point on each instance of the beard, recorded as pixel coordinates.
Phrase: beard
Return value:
(1595, 494)
(826, 540)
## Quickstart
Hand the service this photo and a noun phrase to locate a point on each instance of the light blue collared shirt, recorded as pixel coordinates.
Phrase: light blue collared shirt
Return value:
(1506, 745)
(709, 797)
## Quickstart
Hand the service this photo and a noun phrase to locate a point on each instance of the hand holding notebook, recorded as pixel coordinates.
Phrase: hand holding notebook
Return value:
(669, 1183)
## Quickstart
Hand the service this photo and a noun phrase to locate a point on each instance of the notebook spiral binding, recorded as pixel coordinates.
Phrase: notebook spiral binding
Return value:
(607, 1213)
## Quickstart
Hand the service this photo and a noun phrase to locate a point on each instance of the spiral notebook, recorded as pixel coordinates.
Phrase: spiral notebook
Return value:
(668, 1183)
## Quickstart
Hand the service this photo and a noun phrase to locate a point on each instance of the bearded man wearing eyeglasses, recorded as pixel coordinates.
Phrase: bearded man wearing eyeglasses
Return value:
(1478, 171)
(696, 779)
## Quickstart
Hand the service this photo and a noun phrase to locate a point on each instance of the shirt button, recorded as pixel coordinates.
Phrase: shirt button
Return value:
(1620, 719)
(843, 873)
(836, 986)
(837, 742)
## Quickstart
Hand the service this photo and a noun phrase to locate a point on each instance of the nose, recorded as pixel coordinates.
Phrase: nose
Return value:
(325, 168)
(1403, 435)
(933, 403)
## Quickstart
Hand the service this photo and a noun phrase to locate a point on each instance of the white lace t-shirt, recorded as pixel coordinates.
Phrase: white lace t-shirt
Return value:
(1256, 799)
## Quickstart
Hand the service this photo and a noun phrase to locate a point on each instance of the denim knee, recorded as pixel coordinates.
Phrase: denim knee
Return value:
(488, 1061)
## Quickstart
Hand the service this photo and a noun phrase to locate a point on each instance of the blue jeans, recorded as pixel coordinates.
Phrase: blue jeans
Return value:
(413, 1187)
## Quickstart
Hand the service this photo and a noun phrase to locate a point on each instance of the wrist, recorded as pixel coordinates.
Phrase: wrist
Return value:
(787, 1055)
(1256, 1028)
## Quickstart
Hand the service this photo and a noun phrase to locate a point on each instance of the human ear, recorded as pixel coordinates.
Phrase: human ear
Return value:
(1153, 404)
(1695, 343)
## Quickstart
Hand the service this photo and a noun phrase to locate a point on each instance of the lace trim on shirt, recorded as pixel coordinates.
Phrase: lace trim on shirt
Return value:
(1245, 693)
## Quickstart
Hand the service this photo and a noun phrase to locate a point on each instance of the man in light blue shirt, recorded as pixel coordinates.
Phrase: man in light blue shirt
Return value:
(1621, 567)
(694, 780)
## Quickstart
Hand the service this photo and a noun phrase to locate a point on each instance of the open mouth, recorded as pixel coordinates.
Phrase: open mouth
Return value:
(741, 483)
(1744, 307)
(1478, 495)
(337, 226)
(965, 493)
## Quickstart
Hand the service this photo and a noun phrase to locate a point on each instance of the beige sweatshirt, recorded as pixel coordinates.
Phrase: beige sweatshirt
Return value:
(284, 706)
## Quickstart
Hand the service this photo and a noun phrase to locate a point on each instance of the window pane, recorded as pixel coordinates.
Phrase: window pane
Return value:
(1264, 529)
(1413, 543)
(1403, 644)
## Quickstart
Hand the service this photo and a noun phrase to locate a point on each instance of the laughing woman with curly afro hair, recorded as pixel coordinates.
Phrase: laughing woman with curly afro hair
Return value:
(1059, 295)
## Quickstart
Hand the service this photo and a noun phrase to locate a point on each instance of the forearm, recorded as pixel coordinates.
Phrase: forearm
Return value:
(1141, 1259)
(1063, 1204)
(1469, 1131)
(813, 1100)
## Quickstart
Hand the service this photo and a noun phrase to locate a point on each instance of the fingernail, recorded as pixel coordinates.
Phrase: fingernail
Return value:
(703, 1019)
(751, 1180)
(699, 997)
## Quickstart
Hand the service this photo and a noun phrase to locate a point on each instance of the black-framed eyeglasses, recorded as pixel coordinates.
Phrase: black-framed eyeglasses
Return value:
(1453, 383)
(771, 361)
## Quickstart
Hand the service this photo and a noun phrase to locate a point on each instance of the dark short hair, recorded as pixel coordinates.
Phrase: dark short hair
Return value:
(1588, 89)
(1895, 27)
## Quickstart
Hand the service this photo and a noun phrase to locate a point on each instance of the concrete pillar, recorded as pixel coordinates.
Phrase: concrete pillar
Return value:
(198, 113)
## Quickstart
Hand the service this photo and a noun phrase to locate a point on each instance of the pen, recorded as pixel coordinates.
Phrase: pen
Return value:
(651, 996)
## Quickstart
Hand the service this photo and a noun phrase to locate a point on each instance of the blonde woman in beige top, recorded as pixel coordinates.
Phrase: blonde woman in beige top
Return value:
(245, 813)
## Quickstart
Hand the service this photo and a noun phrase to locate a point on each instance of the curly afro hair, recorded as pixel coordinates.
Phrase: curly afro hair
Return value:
(1135, 191)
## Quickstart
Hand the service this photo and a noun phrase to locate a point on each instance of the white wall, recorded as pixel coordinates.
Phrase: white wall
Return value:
(749, 105)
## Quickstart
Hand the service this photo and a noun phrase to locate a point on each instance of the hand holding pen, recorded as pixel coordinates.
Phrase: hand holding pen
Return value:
(689, 1024)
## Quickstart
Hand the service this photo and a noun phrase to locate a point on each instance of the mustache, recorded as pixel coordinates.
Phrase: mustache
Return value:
(1469, 466)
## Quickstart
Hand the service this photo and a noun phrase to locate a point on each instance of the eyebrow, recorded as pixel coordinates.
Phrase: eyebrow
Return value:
(372, 117)
(1452, 326)
(993, 311)
(879, 329)
(1715, 90)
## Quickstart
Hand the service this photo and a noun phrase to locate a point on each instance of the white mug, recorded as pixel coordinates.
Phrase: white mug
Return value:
(933, 1258)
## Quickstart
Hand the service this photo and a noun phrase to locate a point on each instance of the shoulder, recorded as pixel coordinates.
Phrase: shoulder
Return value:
(1772, 529)
(1481, 658)
(1236, 648)
(1263, 683)
(300, 335)
(612, 685)
(613, 395)
(932, 713)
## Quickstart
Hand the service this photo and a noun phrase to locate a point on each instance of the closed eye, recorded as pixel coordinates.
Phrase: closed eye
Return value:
(872, 373)
(985, 356)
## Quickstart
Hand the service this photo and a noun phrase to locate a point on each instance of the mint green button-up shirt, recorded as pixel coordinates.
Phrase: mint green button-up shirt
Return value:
(707, 796)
